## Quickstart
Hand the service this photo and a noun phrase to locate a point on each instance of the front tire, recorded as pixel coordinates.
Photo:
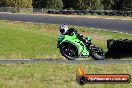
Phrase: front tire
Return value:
(69, 51)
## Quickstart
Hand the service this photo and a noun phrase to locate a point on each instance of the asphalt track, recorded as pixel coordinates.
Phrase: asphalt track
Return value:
(27, 61)
(106, 24)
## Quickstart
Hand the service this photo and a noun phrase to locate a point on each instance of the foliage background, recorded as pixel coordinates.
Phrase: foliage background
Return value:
(70, 4)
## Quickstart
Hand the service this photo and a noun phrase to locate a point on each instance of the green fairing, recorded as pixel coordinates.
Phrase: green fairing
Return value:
(82, 49)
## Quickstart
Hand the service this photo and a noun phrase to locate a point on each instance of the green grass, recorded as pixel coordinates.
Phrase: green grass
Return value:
(26, 40)
(33, 40)
(44, 75)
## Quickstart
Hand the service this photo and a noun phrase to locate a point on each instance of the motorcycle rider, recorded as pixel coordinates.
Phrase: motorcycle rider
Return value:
(65, 31)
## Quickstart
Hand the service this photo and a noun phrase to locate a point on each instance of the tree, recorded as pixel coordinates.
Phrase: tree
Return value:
(108, 4)
(54, 4)
(39, 3)
(127, 5)
(88, 4)
(82, 4)
(97, 5)
(68, 4)
(17, 3)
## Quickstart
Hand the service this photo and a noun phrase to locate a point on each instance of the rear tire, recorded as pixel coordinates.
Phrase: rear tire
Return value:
(97, 53)
(96, 56)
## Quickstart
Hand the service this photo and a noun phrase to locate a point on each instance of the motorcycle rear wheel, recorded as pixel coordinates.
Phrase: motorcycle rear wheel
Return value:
(97, 53)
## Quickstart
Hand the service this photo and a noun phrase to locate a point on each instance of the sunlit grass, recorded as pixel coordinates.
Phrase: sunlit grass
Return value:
(34, 40)
(44, 75)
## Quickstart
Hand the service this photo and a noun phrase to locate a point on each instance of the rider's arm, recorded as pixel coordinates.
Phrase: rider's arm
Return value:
(70, 31)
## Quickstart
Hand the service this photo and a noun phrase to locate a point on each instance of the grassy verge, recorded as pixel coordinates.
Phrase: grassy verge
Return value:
(33, 40)
(93, 16)
(26, 40)
(43, 75)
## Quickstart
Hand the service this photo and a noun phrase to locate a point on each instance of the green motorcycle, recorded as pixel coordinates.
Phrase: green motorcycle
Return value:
(71, 48)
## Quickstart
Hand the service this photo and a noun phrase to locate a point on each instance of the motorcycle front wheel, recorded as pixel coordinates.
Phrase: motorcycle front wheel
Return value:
(69, 51)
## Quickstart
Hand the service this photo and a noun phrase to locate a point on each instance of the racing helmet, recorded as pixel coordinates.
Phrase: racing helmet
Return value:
(63, 29)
